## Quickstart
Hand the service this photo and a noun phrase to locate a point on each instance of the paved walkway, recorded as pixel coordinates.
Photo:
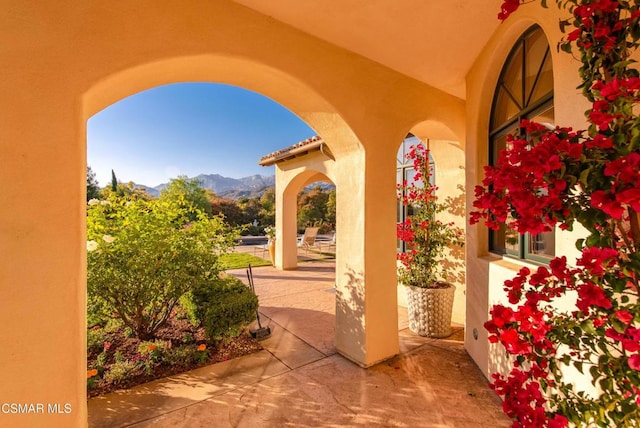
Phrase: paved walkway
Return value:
(299, 380)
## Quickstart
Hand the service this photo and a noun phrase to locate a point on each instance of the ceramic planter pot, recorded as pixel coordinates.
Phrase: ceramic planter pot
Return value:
(430, 310)
(272, 250)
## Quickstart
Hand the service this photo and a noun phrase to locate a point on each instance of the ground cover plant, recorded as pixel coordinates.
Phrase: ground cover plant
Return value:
(157, 300)
(556, 178)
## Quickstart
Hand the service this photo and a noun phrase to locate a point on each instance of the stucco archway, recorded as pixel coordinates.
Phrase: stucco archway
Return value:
(289, 92)
(88, 58)
(296, 167)
(445, 139)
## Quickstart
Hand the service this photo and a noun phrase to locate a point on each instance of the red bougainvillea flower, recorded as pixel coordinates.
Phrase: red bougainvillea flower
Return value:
(624, 316)
(595, 260)
(507, 8)
(501, 316)
(607, 203)
(634, 361)
(591, 295)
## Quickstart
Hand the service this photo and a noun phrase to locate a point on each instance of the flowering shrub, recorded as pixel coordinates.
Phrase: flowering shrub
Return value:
(143, 255)
(427, 238)
(270, 231)
(555, 178)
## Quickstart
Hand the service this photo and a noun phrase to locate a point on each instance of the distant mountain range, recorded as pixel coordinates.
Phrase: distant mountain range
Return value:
(227, 187)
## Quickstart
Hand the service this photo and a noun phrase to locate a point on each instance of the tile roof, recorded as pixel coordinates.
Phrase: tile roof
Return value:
(299, 149)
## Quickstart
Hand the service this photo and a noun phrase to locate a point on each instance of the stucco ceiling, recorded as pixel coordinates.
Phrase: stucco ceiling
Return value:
(434, 41)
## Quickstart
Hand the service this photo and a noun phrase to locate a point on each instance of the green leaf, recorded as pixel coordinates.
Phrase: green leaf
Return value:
(584, 175)
(564, 46)
(635, 31)
(635, 143)
(606, 384)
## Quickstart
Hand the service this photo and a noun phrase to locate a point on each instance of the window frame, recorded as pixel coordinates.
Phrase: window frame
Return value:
(511, 125)
(403, 168)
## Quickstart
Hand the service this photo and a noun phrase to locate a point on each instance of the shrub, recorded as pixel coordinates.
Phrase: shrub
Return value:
(95, 339)
(97, 313)
(101, 360)
(121, 370)
(143, 255)
(182, 356)
(154, 351)
(224, 307)
(190, 309)
(113, 325)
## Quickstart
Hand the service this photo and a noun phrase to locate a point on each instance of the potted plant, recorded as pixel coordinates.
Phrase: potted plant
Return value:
(428, 240)
(270, 232)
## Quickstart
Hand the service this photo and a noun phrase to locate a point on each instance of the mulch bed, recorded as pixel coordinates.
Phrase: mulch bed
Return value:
(175, 330)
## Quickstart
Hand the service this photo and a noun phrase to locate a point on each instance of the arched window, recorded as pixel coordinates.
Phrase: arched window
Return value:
(524, 91)
(405, 172)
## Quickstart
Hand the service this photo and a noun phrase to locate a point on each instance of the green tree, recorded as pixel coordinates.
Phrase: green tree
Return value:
(268, 203)
(330, 216)
(187, 192)
(114, 182)
(93, 188)
(312, 207)
(251, 209)
(126, 191)
(144, 255)
(229, 209)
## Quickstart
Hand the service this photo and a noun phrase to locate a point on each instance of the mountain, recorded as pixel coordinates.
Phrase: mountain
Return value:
(228, 187)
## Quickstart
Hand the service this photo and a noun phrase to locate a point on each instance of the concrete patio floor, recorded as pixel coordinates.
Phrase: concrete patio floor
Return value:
(299, 380)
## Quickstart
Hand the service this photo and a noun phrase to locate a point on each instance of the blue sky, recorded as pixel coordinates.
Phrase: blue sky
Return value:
(189, 129)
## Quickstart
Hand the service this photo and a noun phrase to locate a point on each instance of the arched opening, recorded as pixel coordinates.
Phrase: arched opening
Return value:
(524, 91)
(447, 176)
(334, 126)
(316, 219)
(211, 132)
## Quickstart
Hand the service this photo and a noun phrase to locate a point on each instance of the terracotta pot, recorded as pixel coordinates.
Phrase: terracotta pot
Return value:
(430, 310)
(272, 251)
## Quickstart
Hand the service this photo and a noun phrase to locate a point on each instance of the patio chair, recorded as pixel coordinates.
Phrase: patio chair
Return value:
(308, 240)
(328, 245)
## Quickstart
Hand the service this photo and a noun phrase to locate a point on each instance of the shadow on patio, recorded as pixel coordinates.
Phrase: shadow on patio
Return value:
(299, 380)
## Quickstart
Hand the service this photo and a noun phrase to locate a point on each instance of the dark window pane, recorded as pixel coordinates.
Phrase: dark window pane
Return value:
(505, 109)
(538, 68)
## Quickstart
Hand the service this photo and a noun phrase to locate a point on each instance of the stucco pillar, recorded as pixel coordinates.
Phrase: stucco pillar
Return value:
(286, 227)
(366, 301)
(42, 254)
